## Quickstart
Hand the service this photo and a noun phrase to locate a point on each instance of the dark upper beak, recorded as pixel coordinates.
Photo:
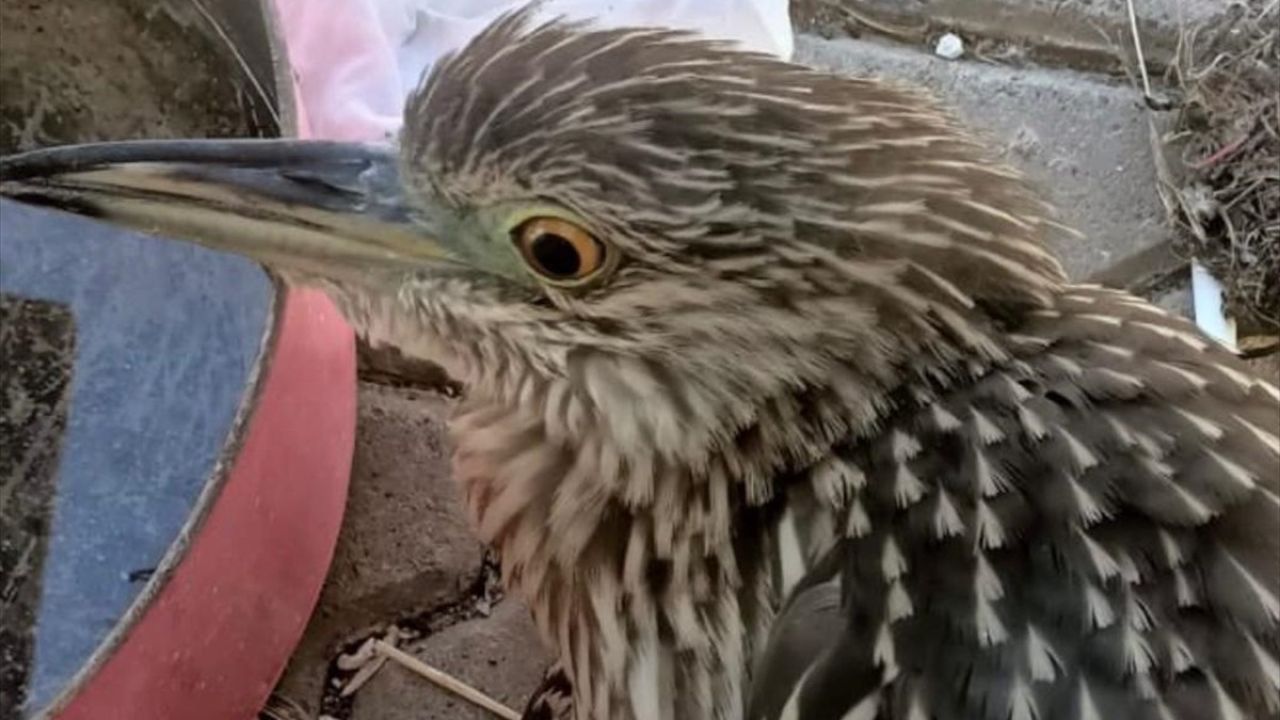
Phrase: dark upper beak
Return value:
(322, 208)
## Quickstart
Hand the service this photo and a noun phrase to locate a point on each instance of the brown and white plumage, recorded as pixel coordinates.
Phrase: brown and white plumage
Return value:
(1085, 531)
(834, 437)
(1014, 484)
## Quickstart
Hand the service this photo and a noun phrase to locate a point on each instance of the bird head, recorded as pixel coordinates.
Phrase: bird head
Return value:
(635, 230)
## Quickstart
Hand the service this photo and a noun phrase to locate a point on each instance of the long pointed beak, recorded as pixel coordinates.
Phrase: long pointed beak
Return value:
(334, 210)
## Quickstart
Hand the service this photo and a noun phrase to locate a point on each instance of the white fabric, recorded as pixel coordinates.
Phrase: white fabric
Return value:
(355, 61)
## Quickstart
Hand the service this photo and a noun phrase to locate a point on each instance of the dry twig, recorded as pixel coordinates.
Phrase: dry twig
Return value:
(444, 680)
(906, 33)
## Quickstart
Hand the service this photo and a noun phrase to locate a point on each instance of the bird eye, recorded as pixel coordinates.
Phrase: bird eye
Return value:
(559, 250)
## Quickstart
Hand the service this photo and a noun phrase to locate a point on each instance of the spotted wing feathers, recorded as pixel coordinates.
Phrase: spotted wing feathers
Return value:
(1091, 531)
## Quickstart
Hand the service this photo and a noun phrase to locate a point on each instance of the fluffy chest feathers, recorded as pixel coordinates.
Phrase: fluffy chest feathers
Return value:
(632, 572)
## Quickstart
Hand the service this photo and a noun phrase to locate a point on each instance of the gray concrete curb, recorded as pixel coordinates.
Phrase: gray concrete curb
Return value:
(1081, 34)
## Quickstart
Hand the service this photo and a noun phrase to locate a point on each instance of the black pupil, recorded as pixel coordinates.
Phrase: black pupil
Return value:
(556, 255)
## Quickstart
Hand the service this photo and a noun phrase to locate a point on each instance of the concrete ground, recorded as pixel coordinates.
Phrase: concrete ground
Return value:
(405, 558)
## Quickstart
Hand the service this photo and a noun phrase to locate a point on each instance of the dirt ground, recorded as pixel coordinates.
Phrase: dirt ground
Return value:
(37, 342)
(82, 70)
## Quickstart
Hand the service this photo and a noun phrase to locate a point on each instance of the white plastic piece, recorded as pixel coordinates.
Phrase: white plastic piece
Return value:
(949, 47)
(1211, 316)
(357, 60)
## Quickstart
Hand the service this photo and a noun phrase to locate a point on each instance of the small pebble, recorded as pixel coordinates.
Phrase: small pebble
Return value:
(949, 47)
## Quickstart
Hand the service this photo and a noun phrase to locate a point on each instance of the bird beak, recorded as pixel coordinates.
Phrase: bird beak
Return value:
(334, 210)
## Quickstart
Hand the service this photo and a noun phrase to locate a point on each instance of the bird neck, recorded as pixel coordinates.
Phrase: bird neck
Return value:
(641, 524)
(654, 579)
(614, 585)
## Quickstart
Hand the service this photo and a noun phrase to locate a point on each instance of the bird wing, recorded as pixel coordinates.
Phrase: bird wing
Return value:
(1090, 530)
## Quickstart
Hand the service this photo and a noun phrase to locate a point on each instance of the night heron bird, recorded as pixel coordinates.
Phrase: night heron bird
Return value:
(777, 404)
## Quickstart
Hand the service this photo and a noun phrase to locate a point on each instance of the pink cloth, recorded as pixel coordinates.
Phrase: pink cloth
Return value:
(355, 61)
(343, 67)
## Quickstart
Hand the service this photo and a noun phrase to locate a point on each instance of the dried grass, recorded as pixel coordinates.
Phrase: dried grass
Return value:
(1226, 139)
